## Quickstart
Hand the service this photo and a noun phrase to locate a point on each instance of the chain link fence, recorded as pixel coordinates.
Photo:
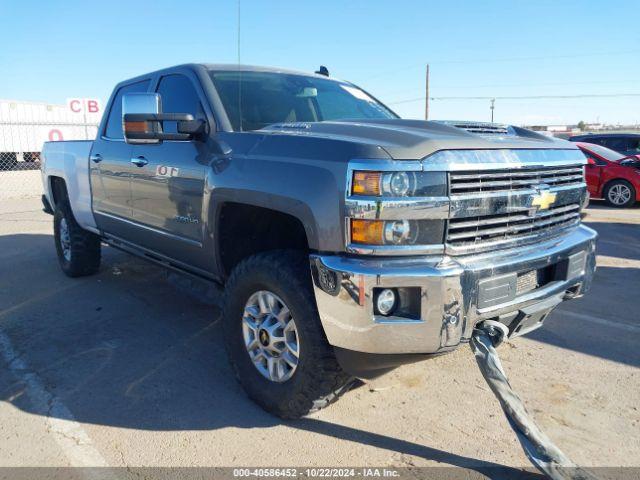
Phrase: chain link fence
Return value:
(24, 127)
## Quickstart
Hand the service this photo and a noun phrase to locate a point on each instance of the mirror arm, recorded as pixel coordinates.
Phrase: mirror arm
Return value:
(158, 117)
(192, 127)
(161, 136)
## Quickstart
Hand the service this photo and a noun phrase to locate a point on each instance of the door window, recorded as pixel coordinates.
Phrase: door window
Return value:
(617, 144)
(114, 122)
(179, 96)
(633, 146)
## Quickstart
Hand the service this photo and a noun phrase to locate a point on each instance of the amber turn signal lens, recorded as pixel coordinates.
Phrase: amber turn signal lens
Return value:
(137, 127)
(366, 183)
(367, 232)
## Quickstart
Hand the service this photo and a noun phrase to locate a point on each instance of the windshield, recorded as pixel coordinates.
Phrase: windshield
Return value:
(254, 100)
(605, 152)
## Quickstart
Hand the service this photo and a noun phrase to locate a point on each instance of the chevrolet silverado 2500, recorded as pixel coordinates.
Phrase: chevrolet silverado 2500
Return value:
(348, 241)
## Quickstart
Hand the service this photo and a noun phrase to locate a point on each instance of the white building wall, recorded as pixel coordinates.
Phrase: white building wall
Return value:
(25, 126)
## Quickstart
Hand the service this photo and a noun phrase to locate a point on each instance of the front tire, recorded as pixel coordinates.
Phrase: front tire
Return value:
(620, 194)
(274, 338)
(78, 250)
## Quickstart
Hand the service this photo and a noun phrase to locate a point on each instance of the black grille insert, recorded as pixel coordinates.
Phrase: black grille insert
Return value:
(469, 182)
(476, 231)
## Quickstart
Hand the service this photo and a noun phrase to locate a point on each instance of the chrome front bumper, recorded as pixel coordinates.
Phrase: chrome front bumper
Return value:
(455, 293)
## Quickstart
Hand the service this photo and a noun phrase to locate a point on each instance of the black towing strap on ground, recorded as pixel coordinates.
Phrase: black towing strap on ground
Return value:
(540, 450)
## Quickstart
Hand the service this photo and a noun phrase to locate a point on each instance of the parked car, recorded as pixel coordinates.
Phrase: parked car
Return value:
(611, 175)
(624, 143)
(348, 241)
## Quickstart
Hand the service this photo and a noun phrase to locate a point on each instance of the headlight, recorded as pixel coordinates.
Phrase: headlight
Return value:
(396, 232)
(398, 184)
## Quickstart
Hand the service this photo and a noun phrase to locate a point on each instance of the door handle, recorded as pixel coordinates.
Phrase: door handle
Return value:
(139, 161)
(97, 158)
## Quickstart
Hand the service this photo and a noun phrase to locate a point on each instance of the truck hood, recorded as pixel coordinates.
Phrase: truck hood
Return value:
(416, 139)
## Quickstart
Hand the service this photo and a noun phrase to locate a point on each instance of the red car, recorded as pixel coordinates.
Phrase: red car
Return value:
(611, 175)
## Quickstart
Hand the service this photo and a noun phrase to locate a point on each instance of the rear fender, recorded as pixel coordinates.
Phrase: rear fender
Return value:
(70, 162)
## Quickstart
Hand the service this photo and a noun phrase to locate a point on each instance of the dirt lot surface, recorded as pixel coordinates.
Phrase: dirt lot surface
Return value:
(123, 369)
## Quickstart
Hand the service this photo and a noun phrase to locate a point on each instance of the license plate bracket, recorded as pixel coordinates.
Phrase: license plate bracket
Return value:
(532, 317)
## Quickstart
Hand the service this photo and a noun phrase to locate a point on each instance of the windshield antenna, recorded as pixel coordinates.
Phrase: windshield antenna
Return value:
(239, 73)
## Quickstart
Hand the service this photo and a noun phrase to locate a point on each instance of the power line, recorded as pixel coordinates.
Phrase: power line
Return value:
(521, 97)
(505, 60)
(508, 85)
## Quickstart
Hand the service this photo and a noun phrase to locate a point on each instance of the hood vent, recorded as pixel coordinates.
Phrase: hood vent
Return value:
(481, 128)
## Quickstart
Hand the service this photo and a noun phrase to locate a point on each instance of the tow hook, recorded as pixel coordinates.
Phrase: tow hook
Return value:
(539, 448)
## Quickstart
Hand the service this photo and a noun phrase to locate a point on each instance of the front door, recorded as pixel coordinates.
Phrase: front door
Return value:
(593, 173)
(167, 181)
(111, 169)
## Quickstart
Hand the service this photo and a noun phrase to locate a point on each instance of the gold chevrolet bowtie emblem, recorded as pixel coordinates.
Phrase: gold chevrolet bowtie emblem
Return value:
(543, 200)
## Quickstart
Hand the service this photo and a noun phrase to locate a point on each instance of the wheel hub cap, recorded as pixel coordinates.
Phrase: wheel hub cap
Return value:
(619, 194)
(264, 338)
(270, 336)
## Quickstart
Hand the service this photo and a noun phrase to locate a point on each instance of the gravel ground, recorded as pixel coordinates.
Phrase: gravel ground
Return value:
(19, 184)
(123, 369)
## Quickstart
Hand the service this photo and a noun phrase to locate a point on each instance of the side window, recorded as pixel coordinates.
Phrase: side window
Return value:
(179, 96)
(617, 144)
(599, 162)
(598, 140)
(634, 146)
(114, 122)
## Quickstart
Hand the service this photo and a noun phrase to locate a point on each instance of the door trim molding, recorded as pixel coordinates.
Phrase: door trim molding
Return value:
(169, 235)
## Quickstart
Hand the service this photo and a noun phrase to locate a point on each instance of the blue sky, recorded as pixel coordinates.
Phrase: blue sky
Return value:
(51, 51)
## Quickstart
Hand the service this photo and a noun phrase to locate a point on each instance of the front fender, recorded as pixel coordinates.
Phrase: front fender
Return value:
(310, 190)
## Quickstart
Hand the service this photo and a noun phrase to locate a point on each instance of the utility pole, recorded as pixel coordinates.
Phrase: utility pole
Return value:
(493, 103)
(426, 94)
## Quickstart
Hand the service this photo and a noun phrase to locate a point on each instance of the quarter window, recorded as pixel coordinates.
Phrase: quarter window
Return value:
(114, 122)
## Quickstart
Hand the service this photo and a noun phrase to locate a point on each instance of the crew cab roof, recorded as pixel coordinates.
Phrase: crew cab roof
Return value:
(227, 67)
(230, 67)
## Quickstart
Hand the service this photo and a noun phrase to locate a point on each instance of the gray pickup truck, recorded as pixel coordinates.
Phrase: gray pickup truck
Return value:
(348, 241)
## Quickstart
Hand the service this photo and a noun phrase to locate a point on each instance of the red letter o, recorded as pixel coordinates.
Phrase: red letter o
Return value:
(55, 133)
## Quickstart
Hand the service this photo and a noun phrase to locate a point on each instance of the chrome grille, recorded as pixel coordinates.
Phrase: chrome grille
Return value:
(489, 229)
(469, 182)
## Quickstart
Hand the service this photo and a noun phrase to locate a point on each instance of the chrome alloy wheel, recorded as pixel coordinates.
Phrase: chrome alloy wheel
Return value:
(270, 336)
(619, 194)
(65, 239)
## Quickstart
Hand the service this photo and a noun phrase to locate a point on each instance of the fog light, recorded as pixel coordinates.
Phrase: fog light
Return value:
(386, 301)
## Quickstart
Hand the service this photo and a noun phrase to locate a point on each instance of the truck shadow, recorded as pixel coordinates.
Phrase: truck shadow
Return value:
(603, 323)
(617, 239)
(125, 349)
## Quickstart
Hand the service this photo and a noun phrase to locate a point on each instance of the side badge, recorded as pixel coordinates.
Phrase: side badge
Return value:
(164, 171)
(186, 219)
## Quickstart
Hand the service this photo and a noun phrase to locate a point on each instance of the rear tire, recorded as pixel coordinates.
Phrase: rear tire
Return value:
(620, 194)
(78, 250)
(317, 379)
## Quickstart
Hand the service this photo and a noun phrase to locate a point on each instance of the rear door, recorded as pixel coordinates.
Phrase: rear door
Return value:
(111, 169)
(168, 188)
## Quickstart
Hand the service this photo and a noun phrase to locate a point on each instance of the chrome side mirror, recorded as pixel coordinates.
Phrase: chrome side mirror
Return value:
(137, 111)
(142, 119)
